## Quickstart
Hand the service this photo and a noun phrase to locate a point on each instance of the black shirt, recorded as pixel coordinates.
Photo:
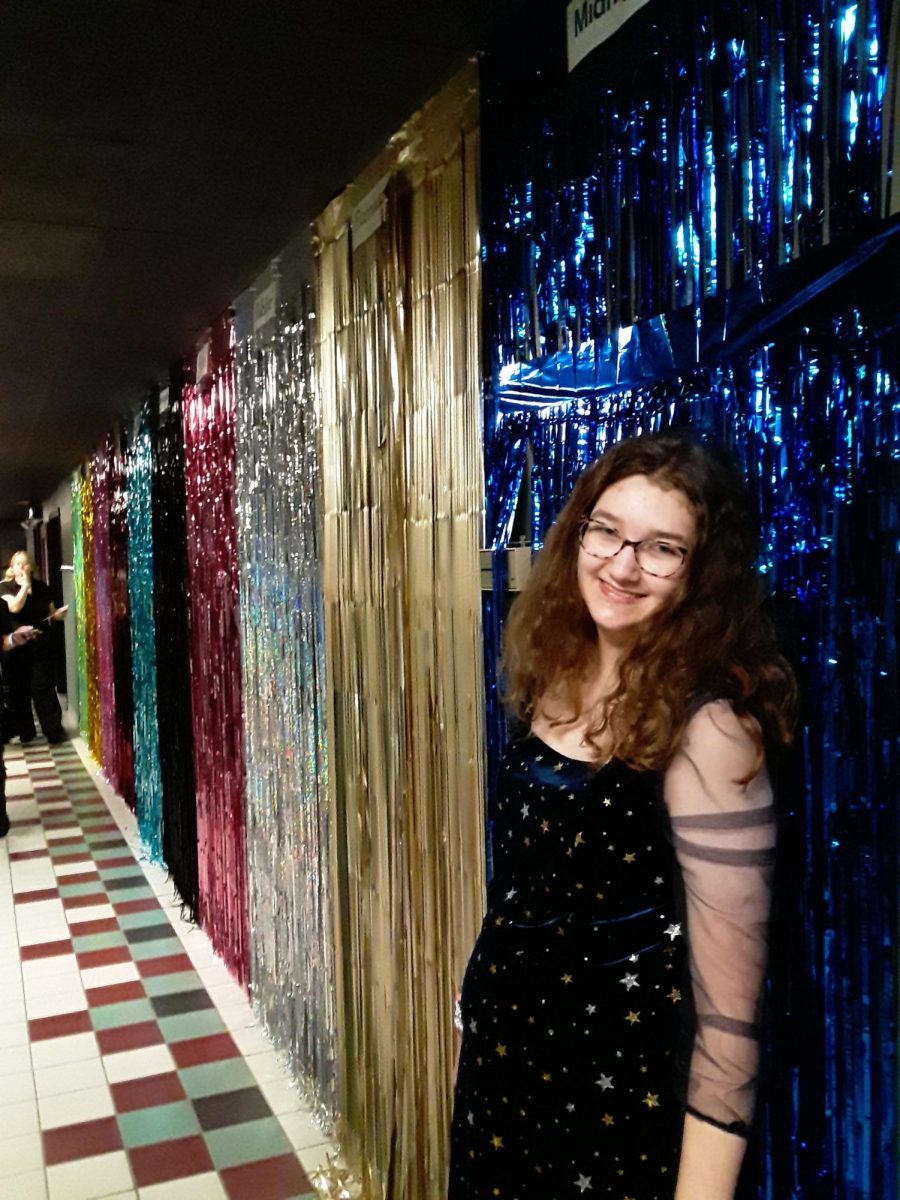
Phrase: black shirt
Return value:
(36, 607)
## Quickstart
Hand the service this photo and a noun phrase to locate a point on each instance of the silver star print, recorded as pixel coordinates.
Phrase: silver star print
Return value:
(658, 880)
(584, 1183)
(607, 803)
(672, 931)
(591, 1009)
(570, 1108)
(510, 893)
(605, 1082)
(470, 1117)
(473, 1026)
(524, 810)
(630, 981)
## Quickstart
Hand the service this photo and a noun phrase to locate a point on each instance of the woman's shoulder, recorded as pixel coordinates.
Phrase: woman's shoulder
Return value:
(720, 741)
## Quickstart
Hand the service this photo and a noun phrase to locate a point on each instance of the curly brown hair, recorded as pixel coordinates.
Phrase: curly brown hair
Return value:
(711, 642)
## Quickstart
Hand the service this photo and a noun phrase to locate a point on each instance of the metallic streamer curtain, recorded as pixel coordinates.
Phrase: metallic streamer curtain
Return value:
(171, 617)
(78, 581)
(209, 465)
(147, 770)
(719, 175)
(121, 776)
(278, 500)
(89, 716)
(399, 351)
(103, 610)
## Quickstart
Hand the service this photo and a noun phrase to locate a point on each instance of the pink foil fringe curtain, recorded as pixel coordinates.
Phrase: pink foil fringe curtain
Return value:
(121, 770)
(209, 469)
(103, 608)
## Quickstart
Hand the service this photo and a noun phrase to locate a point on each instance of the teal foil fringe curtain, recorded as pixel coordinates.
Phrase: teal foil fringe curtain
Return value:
(147, 770)
(278, 496)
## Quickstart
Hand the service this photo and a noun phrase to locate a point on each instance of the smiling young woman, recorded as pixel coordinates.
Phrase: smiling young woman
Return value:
(610, 1007)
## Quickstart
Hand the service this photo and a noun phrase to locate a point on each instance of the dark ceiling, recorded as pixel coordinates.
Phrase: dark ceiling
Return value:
(154, 154)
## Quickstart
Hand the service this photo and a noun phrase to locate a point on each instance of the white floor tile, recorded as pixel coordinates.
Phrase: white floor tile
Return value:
(21, 1154)
(15, 1120)
(18, 785)
(196, 1187)
(57, 966)
(90, 1104)
(302, 1132)
(13, 1061)
(18, 1088)
(282, 1096)
(136, 1064)
(266, 1067)
(237, 1016)
(53, 1052)
(315, 1155)
(37, 937)
(15, 1034)
(251, 1041)
(73, 868)
(12, 1013)
(62, 831)
(125, 972)
(31, 1186)
(40, 912)
(93, 912)
(55, 1004)
(56, 1081)
(90, 1178)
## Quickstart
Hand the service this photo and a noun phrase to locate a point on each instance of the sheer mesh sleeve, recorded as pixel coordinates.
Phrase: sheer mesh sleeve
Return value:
(724, 835)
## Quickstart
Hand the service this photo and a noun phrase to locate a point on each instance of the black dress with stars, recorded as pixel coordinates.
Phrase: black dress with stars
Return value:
(580, 988)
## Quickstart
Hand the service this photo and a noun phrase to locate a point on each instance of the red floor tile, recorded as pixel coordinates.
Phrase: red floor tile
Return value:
(127, 860)
(149, 967)
(115, 993)
(86, 928)
(42, 1028)
(24, 855)
(69, 841)
(130, 906)
(103, 958)
(22, 822)
(85, 901)
(129, 1037)
(169, 1160)
(106, 827)
(270, 1179)
(81, 856)
(45, 950)
(213, 1048)
(40, 894)
(70, 1142)
(81, 877)
(147, 1093)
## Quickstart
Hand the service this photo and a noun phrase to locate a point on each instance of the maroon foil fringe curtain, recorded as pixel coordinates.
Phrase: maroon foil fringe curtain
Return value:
(209, 476)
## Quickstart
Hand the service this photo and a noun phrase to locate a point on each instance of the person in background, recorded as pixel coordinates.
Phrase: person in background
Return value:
(30, 675)
(10, 640)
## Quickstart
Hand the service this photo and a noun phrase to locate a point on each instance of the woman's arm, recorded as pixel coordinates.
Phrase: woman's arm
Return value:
(18, 637)
(17, 602)
(723, 824)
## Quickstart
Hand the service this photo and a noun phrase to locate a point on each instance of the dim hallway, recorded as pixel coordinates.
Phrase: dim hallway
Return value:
(131, 1065)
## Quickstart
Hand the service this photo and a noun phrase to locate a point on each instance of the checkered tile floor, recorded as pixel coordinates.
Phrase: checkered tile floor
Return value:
(130, 1063)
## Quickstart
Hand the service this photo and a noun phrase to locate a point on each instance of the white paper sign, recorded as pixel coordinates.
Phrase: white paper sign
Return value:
(202, 362)
(265, 306)
(591, 22)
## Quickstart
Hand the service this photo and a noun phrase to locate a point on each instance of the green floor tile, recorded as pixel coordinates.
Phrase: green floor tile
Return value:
(191, 1025)
(209, 1079)
(249, 1142)
(98, 941)
(138, 920)
(161, 948)
(103, 852)
(121, 872)
(72, 848)
(80, 889)
(129, 1012)
(165, 985)
(163, 1123)
(100, 839)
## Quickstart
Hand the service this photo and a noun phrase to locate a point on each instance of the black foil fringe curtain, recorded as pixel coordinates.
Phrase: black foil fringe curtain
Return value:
(652, 183)
(171, 603)
(121, 622)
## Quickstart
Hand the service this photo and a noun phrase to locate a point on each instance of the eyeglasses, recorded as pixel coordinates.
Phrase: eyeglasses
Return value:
(654, 556)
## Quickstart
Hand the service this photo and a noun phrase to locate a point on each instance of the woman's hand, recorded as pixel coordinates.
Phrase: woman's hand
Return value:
(58, 614)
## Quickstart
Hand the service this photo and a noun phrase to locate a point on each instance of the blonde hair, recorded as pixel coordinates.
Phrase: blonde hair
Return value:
(10, 573)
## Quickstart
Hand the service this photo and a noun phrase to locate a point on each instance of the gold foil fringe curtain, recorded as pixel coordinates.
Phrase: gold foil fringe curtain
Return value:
(399, 357)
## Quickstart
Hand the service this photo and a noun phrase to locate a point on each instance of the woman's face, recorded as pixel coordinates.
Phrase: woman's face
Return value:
(620, 596)
(19, 565)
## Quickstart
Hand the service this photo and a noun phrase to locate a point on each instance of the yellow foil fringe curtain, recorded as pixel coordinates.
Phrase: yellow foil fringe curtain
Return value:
(90, 721)
(399, 354)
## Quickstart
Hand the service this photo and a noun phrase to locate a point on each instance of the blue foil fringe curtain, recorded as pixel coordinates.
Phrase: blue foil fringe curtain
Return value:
(147, 769)
(719, 172)
(170, 610)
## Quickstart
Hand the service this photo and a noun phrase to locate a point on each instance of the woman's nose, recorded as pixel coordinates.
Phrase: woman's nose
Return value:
(624, 564)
